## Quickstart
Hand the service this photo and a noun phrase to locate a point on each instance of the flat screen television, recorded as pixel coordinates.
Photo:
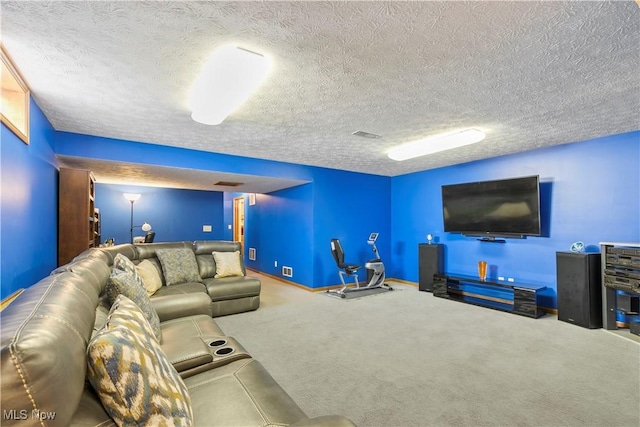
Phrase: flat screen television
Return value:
(499, 208)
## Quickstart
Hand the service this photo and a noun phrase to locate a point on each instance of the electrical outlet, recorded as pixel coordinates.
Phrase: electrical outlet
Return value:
(287, 271)
(206, 228)
(252, 254)
(510, 279)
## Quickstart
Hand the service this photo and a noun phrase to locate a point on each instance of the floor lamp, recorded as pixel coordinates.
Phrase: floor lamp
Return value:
(132, 197)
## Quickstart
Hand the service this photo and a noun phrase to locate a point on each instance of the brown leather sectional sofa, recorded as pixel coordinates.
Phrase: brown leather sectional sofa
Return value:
(46, 330)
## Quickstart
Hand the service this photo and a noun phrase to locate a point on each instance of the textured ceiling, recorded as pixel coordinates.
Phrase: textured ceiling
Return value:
(530, 74)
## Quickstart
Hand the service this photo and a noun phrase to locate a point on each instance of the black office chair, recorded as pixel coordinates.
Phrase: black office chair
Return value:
(148, 238)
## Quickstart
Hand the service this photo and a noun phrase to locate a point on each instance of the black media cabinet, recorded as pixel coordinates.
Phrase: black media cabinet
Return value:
(523, 301)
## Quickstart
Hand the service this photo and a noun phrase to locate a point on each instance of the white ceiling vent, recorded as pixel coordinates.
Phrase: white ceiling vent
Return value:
(366, 134)
(228, 183)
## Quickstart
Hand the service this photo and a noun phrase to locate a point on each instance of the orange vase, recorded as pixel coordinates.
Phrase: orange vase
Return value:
(482, 270)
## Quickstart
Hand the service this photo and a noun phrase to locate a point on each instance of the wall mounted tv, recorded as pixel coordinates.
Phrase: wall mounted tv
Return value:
(500, 208)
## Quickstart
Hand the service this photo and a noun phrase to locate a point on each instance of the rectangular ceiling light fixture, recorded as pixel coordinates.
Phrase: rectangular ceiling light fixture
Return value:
(435, 144)
(227, 80)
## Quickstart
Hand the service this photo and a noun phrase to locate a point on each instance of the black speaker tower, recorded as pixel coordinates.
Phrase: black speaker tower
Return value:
(430, 262)
(579, 288)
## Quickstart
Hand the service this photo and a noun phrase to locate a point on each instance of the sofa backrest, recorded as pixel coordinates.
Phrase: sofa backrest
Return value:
(147, 251)
(126, 249)
(44, 337)
(204, 250)
(93, 266)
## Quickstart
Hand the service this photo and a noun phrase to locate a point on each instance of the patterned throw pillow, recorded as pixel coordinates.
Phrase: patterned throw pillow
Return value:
(123, 263)
(121, 282)
(135, 381)
(179, 265)
(150, 276)
(227, 264)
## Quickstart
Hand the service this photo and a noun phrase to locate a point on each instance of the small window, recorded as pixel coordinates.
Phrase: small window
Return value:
(14, 110)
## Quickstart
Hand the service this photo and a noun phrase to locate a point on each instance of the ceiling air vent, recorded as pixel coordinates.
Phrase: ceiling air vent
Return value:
(228, 183)
(366, 134)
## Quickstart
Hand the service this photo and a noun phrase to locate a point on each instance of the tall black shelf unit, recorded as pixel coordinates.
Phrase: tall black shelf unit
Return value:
(620, 272)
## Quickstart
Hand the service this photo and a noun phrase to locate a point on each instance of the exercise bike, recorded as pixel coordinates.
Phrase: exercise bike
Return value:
(374, 266)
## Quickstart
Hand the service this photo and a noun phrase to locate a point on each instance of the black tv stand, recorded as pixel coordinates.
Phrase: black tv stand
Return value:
(523, 297)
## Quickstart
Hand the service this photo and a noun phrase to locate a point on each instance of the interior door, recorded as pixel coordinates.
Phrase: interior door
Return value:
(238, 220)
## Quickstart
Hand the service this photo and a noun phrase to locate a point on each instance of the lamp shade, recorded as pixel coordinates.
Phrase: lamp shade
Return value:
(146, 227)
(227, 80)
(132, 197)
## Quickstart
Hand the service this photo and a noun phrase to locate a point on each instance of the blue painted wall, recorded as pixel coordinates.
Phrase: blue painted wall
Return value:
(292, 226)
(591, 193)
(28, 205)
(591, 189)
(280, 227)
(228, 214)
(174, 214)
(349, 206)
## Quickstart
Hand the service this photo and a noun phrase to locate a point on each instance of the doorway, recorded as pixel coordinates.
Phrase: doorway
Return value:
(238, 220)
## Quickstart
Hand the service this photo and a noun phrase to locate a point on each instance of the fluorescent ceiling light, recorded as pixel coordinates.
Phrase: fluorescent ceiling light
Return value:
(435, 144)
(227, 80)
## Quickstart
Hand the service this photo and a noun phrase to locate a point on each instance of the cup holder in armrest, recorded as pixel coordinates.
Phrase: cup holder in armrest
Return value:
(215, 351)
(217, 343)
(224, 351)
(219, 349)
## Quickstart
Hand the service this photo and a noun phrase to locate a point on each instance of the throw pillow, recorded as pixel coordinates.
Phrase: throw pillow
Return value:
(126, 313)
(135, 381)
(121, 282)
(123, 263)
(150, 276)
(179, 265)
(227, 264)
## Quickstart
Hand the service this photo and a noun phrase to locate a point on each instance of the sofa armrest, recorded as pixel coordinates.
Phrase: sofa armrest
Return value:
(182, 305)
(324, 421)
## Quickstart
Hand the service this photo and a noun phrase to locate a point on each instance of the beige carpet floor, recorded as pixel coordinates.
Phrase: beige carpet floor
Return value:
(408, 358)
